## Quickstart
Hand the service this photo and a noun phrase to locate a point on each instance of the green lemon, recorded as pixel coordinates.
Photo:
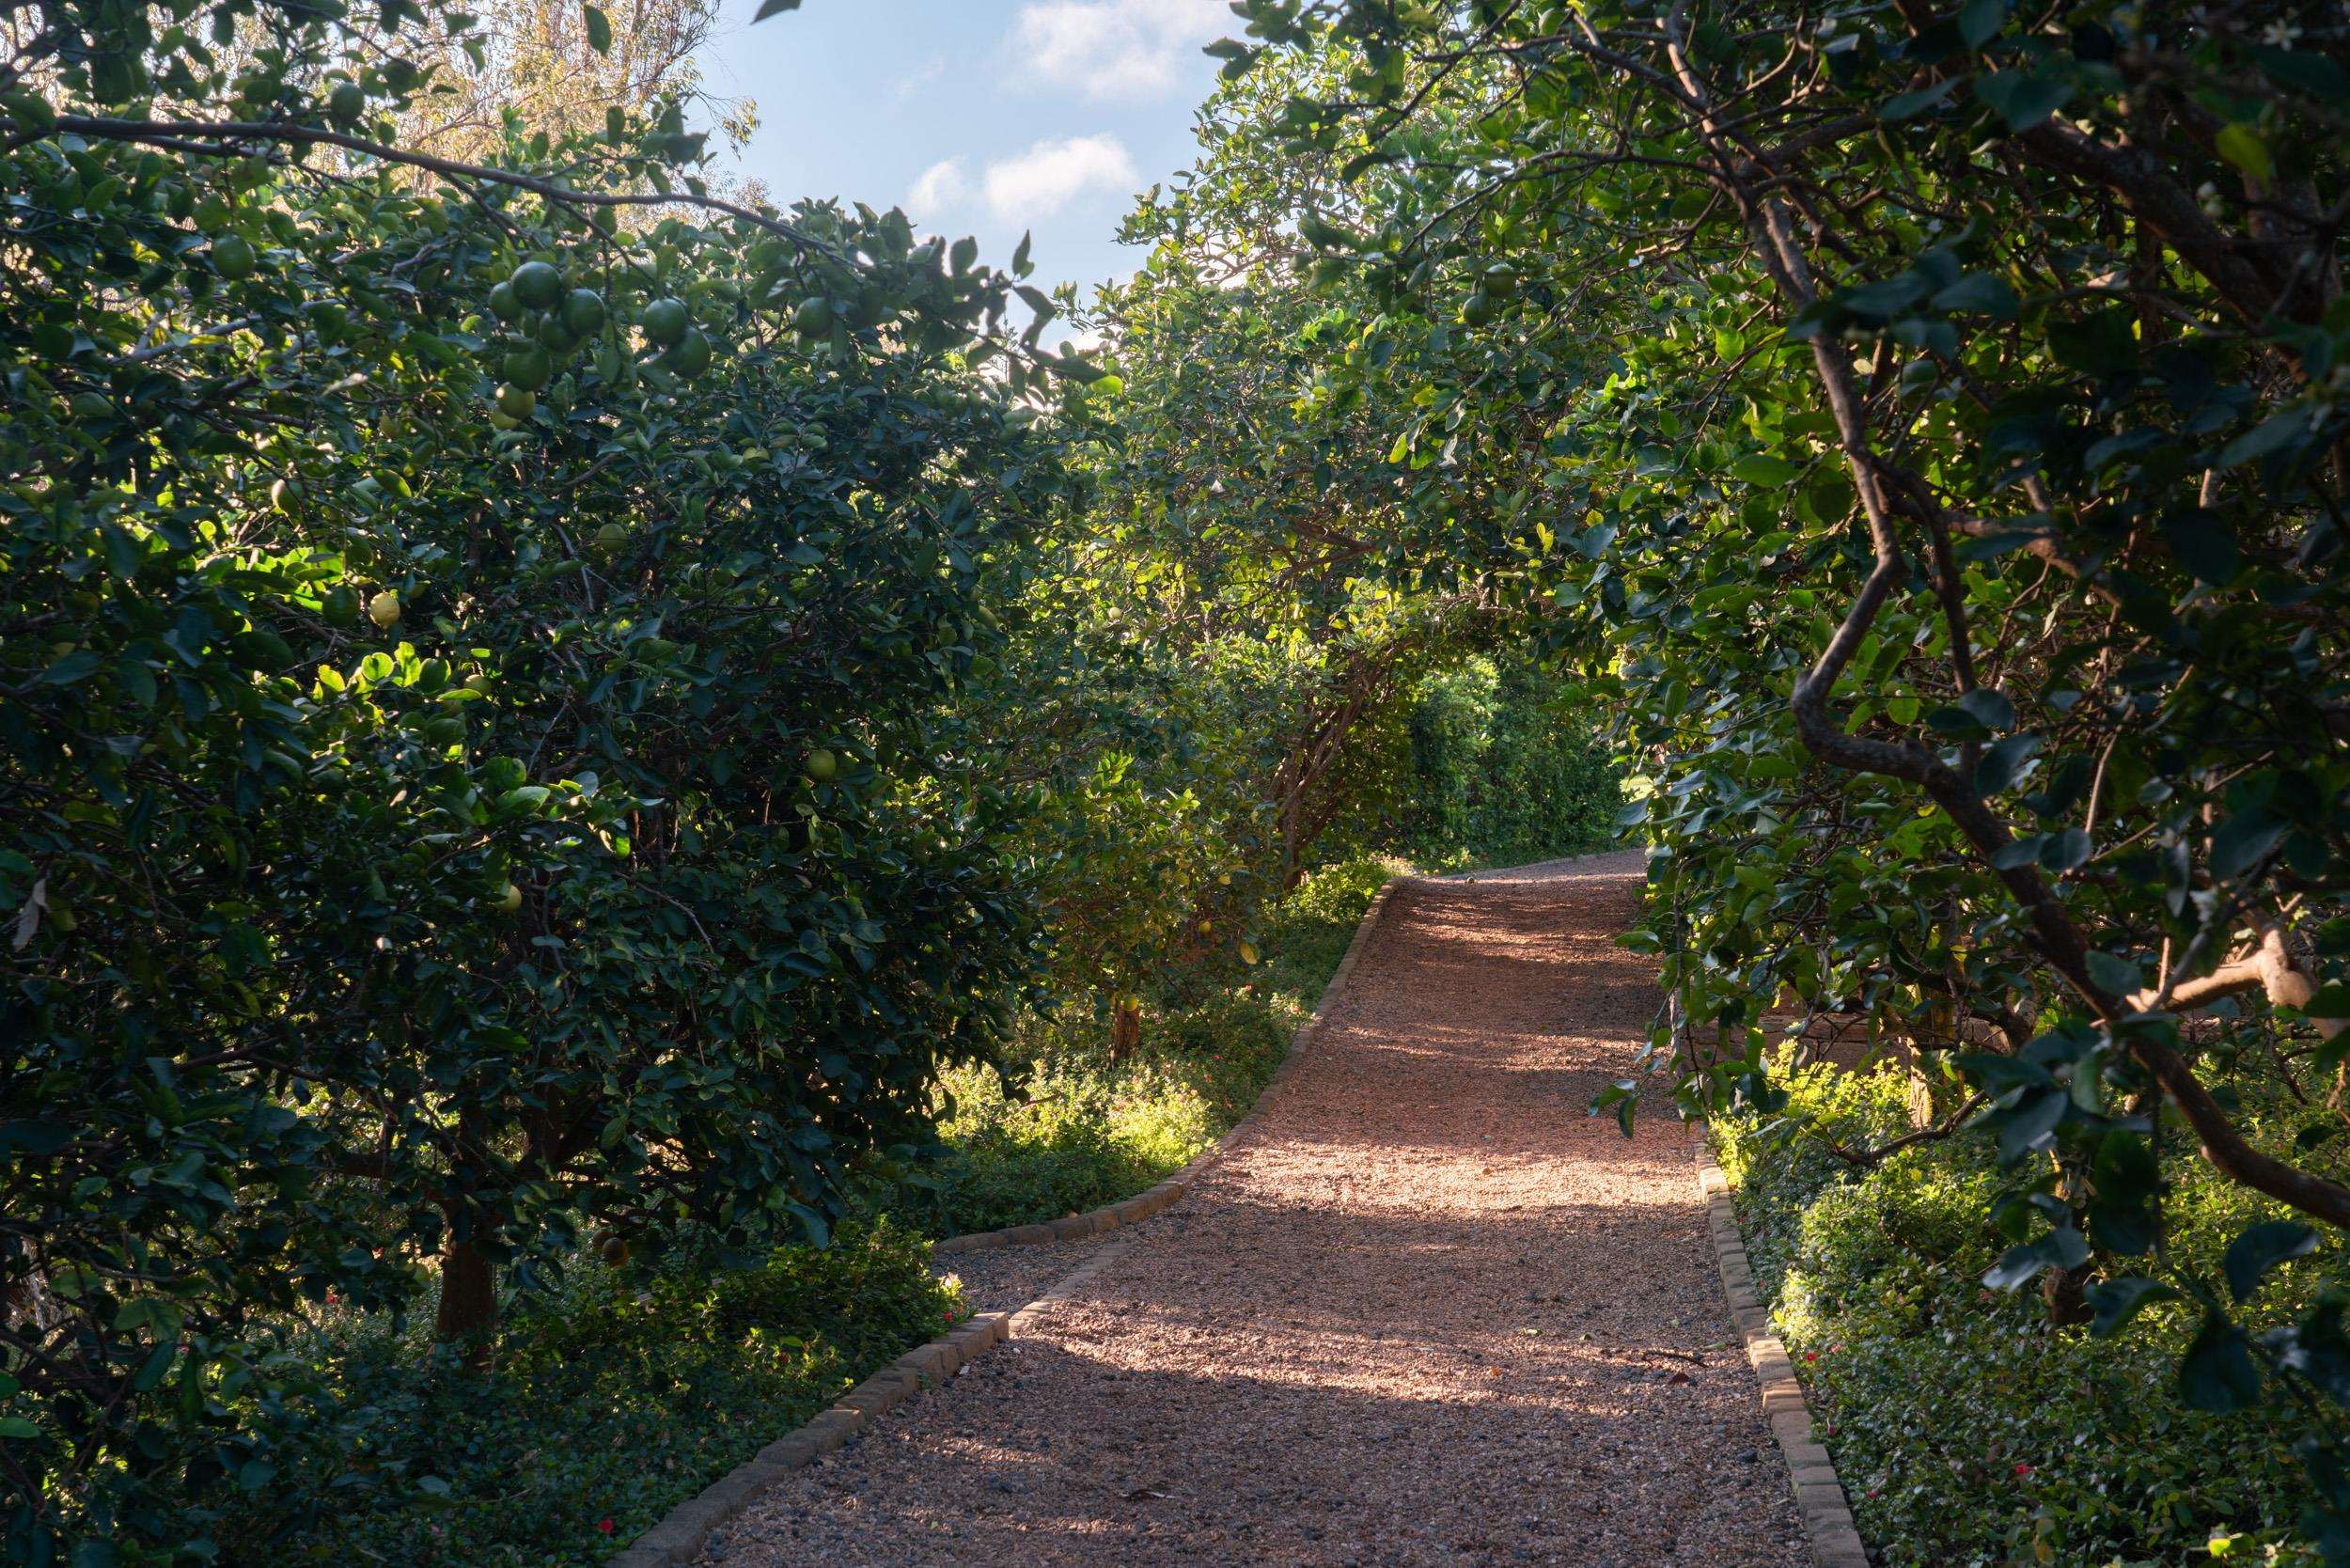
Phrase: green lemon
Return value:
(612, 538)
(539, 286)
(529, 369)
(820, 767)
(347, 103)
(516, 402)
(582, 312)
(233, 257)
(691, 356)
(509, 898)
(813, 318)
(665, 322)
(502, 305)
(383, 609)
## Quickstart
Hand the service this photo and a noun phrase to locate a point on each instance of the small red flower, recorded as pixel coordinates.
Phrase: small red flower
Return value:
(1811, 1355)
(2022, 1468)
(604, 1524)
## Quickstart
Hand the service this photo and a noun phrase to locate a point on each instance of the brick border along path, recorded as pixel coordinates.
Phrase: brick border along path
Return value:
(1432, 1314)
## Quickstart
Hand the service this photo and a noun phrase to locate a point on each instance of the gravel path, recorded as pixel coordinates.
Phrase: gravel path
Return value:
(1435, 1314)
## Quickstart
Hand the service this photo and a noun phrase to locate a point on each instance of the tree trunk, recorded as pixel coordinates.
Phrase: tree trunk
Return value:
(2065, 1293)
(1125, 1029)
(469, 1297)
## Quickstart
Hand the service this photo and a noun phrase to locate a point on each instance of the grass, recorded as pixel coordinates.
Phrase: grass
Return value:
(1069, 1128)
(1968, 1432)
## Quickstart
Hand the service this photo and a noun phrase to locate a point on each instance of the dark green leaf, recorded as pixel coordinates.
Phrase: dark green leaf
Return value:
(2259, 1251)
(2216, 1373)
(2118, 1302)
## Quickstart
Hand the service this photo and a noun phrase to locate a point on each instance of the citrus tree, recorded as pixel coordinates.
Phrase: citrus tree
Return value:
(475, 638)
(1935, 425)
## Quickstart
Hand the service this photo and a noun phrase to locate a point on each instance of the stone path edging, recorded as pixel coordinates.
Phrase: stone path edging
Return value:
(681, 1537)
(1142, 1205)
(1827, 1519)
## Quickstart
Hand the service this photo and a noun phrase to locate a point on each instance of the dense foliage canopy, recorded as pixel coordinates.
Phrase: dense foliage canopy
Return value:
(475, 639)
(1936, 416)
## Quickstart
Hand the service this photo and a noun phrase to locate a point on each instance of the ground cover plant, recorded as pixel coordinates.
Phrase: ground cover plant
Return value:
(1966, 1429)
(610, 1398)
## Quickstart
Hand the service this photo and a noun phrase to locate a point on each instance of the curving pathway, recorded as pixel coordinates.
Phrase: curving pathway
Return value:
(1433, 1313)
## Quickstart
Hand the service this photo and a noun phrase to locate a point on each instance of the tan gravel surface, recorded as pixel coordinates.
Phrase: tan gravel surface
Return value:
(1435, 1314)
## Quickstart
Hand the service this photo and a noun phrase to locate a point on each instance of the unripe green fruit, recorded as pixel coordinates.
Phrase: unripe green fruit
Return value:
(557, 338)
(286, 495)
(502, 305)
(383, 609)
(612, 538)
(516, 402)
(340, 606)
(691, 356)
(665, 322)
(509, 898)
(233, 257)
(613, 1250)
(539, 286)
(92, 405)
(813, 318)
(347, 103)
(1248, 952)
(1479, 310)
(582, 312)
(822, 766)
(529, 369)
(479, 682)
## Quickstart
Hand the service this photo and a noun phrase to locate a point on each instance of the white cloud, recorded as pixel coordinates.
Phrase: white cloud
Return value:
(1116, 48)
(941, 188)
(922, 77)
(1052, 174)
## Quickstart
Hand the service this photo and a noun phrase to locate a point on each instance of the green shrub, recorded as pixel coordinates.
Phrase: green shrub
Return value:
(1065, 1126)
(1968, 1432)
(611, 1400)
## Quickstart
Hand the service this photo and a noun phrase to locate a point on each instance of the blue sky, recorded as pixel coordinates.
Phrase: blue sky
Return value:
(977, 116)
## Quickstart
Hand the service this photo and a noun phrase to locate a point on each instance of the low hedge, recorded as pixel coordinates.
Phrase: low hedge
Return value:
(1969, 1432)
